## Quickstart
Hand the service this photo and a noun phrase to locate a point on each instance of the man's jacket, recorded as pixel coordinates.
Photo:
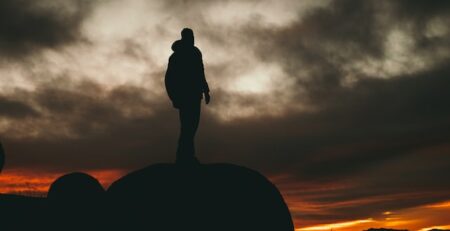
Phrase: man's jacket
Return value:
(185, 76)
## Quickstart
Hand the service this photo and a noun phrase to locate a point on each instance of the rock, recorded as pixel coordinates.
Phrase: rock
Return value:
(76, 202)
(21, 212)
(75, 187)
(204, 197)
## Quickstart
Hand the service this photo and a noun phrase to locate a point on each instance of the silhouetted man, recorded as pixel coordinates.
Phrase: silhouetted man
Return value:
(185, 84)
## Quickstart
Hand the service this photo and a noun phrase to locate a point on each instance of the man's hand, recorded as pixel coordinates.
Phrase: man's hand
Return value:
(207, 97)
(175, 104)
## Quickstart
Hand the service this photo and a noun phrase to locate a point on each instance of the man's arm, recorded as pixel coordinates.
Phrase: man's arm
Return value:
(205, 87)
(169, 79)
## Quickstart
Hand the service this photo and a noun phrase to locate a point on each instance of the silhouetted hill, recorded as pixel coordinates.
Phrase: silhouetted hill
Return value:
(21, 212)
(204, 197)
(75, 201)
(159, 197)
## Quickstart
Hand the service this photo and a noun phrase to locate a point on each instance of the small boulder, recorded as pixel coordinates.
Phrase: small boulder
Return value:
(75, 188)
(76, 202)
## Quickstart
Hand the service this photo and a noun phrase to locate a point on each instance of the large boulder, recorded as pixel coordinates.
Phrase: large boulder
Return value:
(22, 212)
(76, 202)
(203, 197)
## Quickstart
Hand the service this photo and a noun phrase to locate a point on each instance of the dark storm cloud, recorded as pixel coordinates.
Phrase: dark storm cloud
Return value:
(420, 10)
(83, 125)
(326, 40)
(374, 123)
(417, 15)
(314, 44)
(27, 25)
(85, 107)
(15, 109)
(346, 31)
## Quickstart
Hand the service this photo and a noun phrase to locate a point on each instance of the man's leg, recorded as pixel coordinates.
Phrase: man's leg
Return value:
(181, 149)
(195, 119)
(189, 119)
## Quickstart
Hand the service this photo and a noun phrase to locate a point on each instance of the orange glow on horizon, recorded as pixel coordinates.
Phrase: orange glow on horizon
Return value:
(436, 227)
(26, 183)
(421, 218)
(336, 225)
(29, 183)
(445, 204)
(414, 218)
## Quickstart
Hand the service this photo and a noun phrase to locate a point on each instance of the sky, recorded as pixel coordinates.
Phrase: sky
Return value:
(344, 104)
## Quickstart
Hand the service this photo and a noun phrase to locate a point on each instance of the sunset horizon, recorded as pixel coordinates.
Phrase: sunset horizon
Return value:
(420, 218)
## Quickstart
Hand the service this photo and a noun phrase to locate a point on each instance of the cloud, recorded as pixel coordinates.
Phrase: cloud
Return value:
(15, 109)
(333, 47)
(28, 26)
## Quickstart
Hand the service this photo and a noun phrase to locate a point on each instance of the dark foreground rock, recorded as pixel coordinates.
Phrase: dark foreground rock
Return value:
(75, 189)
(204, 197)
(162, 197)
(76, 201)
(21, 213)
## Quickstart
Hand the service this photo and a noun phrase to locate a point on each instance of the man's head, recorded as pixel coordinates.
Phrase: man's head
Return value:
(187, 35)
